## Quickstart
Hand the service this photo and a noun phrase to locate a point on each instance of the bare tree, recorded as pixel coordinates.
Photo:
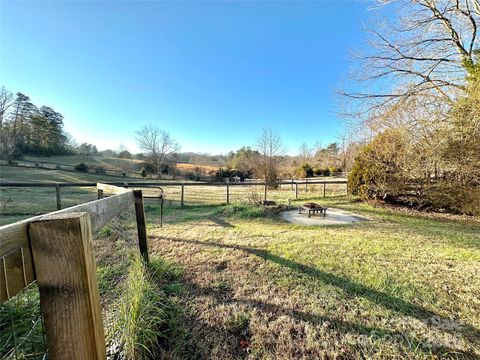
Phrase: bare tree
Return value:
(305, 153)
(269, 146)
(420, 59)
(6, 101)
(158, 146)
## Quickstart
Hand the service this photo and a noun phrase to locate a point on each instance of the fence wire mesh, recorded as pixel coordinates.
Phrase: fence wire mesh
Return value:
(117, 257)
(21, 326)
(118, 261)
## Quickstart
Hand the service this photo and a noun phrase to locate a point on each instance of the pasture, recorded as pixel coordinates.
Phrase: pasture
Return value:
(20, 203)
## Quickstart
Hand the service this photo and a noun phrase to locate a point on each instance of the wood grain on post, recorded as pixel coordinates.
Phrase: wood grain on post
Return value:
(65, 267)
(59, 199)
(141, 227)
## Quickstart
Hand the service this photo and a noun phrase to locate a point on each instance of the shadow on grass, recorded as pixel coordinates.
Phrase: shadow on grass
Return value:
(371, 334)
(353, 288)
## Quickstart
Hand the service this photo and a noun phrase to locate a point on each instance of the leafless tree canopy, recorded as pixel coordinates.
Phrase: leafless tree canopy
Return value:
(269, 146)
(157, 144)
(6, 101)
(424, 53)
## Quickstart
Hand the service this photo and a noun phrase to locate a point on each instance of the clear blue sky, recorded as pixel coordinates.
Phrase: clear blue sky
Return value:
(211, 73)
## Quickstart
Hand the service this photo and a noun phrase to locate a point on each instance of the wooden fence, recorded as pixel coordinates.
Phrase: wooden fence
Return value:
(56, 250)
(295, 185)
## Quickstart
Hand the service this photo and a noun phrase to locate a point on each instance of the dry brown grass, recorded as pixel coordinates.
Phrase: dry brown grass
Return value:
(403, 286)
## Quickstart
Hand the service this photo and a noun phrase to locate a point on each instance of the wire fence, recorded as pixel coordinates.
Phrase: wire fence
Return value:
(21, 326)
(118, 262)
(21, 202)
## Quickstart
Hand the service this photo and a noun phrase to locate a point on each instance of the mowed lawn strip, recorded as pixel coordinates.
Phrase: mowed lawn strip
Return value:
(403, 285)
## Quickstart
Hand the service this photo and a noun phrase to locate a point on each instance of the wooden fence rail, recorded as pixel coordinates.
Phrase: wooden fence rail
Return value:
(57, 250)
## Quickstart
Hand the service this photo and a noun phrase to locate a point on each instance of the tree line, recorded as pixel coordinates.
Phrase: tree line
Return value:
(28, 129)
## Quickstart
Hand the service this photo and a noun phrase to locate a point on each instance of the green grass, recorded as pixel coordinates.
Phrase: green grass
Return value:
(108, 163)
(21, 203)
(403, 285)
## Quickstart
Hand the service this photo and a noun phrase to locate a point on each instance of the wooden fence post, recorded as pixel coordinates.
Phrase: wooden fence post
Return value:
(67, 278)
(141, 228)
(296, 191)
(228, 194)
(324, 184)
(181, 195)
(291, 186)
(265, 193)
(59, 198)
(306, 185)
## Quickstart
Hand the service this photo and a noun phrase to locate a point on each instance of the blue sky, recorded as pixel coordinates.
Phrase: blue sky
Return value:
(210, 73)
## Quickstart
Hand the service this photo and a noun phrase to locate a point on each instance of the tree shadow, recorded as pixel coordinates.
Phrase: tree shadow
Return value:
(225, 296)
(353, 288)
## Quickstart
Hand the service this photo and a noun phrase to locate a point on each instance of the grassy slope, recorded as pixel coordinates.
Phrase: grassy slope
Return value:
(400, 286)
(108, 163)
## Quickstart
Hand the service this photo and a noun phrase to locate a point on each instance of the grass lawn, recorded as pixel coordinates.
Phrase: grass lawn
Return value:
(400, 286)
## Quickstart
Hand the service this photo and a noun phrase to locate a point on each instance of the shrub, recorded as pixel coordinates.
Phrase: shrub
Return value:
(82, 167)
(143, 173)
(379, 169)
(99, 170)
(307, 170)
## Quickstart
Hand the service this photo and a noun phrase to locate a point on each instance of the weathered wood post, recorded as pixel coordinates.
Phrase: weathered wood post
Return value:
(324, 184)
(228, 193)
(141, 228)
(62, 250)
(59, 198)
(265, 192)
(291, 186)
(181, 195)
(306, 185)
(296, 191)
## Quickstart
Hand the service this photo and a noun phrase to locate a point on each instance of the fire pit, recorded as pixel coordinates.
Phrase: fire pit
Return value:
(312, 208)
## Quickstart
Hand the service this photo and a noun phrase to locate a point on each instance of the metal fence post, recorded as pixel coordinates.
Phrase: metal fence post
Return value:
(59, 198)
(182, 195)
(228, 194)
(141, 228)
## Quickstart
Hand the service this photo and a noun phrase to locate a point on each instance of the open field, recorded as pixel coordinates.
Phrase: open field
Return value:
(107, 163)
(20, 203)
(404, 285)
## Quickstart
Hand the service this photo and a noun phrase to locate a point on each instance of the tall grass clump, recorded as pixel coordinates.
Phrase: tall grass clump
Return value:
(138, 315)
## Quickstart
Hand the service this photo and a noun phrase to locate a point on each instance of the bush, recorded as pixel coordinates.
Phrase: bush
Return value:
(99, 170)
(379, 170)
(143, 173)
(322, 171)
(82, 167)
(307, 170)
(451, 197)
